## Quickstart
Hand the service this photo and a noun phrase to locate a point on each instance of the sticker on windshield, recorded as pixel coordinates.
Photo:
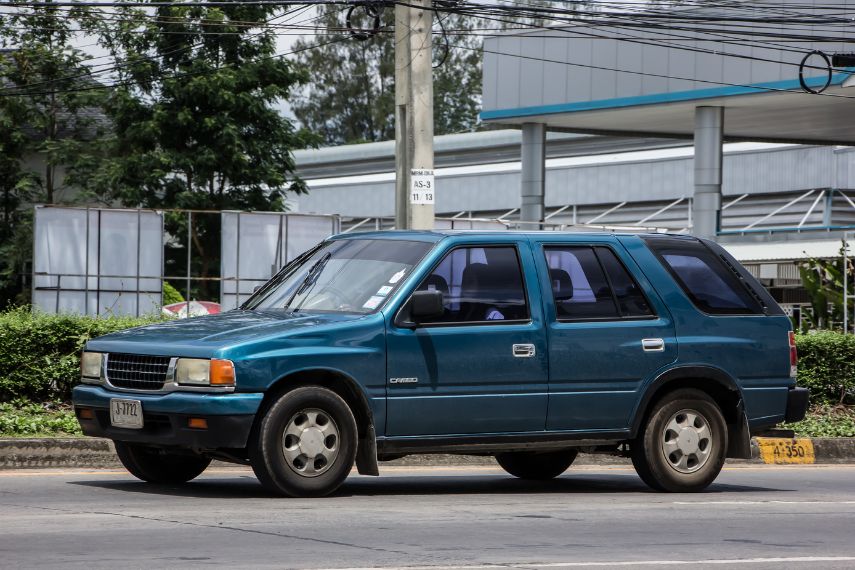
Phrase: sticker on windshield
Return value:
(373, 302)
(397, 277)
(384, 290)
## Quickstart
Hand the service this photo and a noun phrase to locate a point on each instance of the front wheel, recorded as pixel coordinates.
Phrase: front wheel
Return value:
(305, 444)
(160, 466)
(536, 466)
(682, 446)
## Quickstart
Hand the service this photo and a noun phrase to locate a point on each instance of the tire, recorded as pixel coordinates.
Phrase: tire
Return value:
(305, 444)
(683, 444)
(158, 466)
(536, 466)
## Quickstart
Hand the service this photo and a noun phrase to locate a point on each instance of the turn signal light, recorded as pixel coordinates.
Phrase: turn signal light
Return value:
(222, 373)
(197, 423)
(85, 413)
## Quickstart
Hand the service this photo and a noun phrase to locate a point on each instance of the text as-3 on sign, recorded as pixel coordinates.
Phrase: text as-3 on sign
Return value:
(421, 186)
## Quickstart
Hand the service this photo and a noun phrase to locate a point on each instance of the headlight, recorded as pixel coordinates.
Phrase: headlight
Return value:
(90, 367)
(204, 372)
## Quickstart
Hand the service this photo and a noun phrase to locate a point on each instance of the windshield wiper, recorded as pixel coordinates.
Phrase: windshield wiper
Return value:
(310, 279)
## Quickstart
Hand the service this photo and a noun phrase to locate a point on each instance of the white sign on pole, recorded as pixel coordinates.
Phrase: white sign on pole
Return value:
(421, 186)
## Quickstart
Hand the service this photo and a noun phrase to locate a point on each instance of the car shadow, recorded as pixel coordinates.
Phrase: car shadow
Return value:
(243, 486)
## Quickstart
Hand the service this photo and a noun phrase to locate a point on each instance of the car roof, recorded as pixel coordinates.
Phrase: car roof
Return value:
(437, 235)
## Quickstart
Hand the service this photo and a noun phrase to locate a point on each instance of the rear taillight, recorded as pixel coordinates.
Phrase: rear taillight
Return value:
(794, 355)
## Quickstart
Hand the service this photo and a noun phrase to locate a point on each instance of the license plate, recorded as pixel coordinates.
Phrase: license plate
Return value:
(126, 413)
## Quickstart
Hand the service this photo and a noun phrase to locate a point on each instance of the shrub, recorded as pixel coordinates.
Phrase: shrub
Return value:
(171, 294)
(826, 365)
(25, 419)
(40, 353)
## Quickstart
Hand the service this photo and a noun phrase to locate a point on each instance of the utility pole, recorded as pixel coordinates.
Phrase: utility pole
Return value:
(414, 179)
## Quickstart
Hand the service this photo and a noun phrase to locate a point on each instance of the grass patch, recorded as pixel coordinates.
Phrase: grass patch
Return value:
(24, 419)
(826, 421)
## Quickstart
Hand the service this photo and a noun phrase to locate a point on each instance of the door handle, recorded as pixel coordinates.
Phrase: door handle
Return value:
(524, 350)
(653, 345)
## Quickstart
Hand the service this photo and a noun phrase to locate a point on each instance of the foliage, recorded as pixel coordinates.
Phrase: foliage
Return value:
(351, 94)
(171, 294)
(826, 365)
(823, 280)
(40, 353)
(50, 109)
(826, 421)
(24, 419)
(195, 123)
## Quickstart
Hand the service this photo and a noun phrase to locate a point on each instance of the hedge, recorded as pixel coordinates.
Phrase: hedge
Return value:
(39, 356)
(826, 365)
(40, 353)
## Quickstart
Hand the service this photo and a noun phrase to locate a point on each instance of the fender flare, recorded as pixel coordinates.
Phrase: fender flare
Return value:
(366, 450)
(740, 439)
(679, 373)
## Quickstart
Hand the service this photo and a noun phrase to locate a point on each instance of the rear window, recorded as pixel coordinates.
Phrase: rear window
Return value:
(711, 285)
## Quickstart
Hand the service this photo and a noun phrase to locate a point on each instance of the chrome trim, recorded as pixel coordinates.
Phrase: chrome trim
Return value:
(523, 350)
(653, 345)
(169, 384)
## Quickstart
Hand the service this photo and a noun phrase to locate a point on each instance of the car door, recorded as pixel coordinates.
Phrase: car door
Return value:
(480, 368)
(608, 333)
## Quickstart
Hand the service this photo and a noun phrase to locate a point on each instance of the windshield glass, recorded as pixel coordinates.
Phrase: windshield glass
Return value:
(342, 276)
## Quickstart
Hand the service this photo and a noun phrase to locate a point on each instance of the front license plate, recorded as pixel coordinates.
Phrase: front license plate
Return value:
(126, 413)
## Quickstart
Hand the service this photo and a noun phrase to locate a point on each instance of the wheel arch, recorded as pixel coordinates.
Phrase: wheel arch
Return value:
(718, 384)
(349, 390)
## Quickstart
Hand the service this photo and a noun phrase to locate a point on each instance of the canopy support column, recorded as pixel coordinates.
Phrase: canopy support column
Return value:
(533, 175)
(706, 206)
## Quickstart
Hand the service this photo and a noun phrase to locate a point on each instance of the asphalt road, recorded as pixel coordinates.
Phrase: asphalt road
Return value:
(467, 518)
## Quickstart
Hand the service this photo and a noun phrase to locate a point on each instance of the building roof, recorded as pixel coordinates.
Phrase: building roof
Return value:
(576, 79)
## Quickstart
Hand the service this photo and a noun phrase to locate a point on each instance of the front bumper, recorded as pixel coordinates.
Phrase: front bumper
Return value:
(797, 404)
(165, 417)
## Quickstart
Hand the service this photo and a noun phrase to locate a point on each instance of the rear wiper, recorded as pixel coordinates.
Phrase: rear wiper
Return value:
(310, 279)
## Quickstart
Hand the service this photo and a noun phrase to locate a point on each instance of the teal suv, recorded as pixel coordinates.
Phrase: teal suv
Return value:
(528, 347)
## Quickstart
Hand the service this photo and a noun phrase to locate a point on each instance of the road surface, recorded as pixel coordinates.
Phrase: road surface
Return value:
(466, 518)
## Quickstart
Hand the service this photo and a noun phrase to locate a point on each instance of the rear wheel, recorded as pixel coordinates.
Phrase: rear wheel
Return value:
(537, 466)
(160, 466)
(682, 447)
(305, 444)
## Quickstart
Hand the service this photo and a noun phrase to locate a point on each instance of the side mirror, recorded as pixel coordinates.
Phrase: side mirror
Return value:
(426, 305)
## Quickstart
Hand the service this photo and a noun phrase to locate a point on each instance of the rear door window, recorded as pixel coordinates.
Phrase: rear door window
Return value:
(708, 282)
(590, 283)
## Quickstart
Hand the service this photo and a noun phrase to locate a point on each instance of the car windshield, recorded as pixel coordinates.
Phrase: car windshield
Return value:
(341, 276)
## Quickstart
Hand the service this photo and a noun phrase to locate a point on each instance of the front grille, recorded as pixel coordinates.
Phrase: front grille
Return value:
(137, 371)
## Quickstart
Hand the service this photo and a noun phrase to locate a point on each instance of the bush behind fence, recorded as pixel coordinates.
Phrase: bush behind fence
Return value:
(40, 356)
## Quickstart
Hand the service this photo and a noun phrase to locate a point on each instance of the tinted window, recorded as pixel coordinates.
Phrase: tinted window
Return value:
(710, 285)
(479, 284)
(631, 301)
(579, 284)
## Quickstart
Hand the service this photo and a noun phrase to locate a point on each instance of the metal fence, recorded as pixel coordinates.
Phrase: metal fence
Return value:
(99, 261)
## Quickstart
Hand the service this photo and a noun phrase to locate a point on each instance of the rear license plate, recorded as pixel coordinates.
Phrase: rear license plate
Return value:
(126, 413)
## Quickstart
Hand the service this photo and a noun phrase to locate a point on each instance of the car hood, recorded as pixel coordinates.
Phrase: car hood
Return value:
(200, 336)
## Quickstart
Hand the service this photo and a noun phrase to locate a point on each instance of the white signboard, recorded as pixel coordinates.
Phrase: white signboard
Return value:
(97, 262)
(421, 186)
(256, 244)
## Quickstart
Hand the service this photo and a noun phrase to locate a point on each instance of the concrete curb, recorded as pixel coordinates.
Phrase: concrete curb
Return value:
(87, 452)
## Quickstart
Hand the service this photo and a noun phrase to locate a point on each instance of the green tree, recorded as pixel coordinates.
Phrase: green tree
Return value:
(350, 97)
(823, 281)
(49, 122)
(194, 120)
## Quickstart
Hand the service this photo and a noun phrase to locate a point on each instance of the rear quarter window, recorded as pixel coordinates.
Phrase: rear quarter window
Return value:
(711, 285)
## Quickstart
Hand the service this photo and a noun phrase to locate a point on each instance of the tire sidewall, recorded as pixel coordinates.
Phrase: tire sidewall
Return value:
(269, 461)
(667, 478)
